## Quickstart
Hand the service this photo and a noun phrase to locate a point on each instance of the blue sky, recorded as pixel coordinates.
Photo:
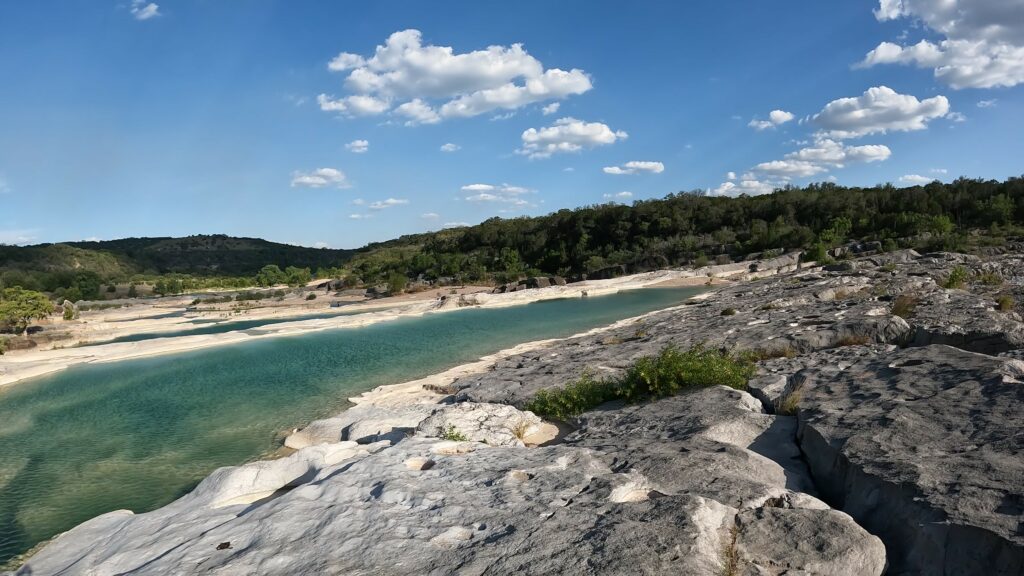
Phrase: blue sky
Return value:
(322, 123)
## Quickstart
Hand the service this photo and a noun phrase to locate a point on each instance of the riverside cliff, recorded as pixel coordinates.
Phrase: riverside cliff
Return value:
(881, 433)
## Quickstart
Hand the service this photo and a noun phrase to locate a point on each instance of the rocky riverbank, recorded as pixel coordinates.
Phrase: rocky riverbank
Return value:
(881, 434)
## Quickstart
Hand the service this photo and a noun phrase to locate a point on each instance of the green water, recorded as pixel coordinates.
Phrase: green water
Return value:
(220, 327)
(139, 433)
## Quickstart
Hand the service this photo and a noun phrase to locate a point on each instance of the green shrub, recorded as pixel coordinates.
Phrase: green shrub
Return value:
(1005, 303)
(957, 278)
(3, 346)
(452, 433)
(989, 278)
(311, 297)
(670, 372)
(904, 305)
(729, 312)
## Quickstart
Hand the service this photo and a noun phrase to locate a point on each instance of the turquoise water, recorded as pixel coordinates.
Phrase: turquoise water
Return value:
(221, 326)
(139, 433)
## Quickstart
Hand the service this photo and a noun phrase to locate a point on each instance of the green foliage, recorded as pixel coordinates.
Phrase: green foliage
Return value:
(668, 373)
(3, 346)
(311, 296)
(271, 275)
(790, 404)
(397, 283)
(452, 433)
(728, 312)
(989, 279)
(957, 278)
(19, 307)
(132, 291)
(297, 276)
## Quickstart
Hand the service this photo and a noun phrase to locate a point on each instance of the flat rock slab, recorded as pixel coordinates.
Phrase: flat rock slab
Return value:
(924, 447)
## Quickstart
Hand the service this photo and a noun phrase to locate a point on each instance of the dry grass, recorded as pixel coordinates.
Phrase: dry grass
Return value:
(730, 555)
(791, 403)
(853, 340)
(1006, 303)
(768, 353)
(904, 305)
(519, 429)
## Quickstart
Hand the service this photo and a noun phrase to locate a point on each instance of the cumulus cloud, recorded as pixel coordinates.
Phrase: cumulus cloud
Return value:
(18, 236)
(619, 196)
(389, 203)
(983, 44)
(504, 194)
(915, 179)
(450, 84)
(358, 105)
(360, 216)
(636, 166)
(358, 146)
(749, 187)
(775, 118)
(567, 135)
(551, 108)
(144, 11)
(418, 112)
(320, 178)
(449, 147)
(430, 216)
(987, 103)
(879, 110)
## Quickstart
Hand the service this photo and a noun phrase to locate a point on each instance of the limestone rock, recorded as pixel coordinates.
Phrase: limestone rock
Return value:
(492, 424)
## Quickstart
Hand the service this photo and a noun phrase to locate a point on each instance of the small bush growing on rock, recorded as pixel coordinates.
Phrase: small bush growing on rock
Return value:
(452, 433)
(989, 279)
(311, 297)
(1005, 303)
(904, 305)
(729, 312)
(666, 374)
(791, 403)
(957, 278)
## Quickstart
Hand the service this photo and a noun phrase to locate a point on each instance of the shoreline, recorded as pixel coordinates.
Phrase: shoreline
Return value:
(19, 367)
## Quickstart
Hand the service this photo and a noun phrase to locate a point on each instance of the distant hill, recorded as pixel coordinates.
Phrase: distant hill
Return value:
(46, 266)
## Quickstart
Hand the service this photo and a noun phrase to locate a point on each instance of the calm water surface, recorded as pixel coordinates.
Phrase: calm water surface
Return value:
(139, 433)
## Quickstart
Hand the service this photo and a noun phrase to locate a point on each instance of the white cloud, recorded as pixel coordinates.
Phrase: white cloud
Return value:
(987, 103)
(748, 187)
(430, 216)
(418, 112)
(360, 216)
(915, 179)
(775, 118)
(358, 105)
(790, 168)
(389, 203)
(879, 110)
(357, 146)
(730, 176)
(956, 117)
(359, 202)
(504, 194)
(827, 152)
(567, 135)
(983, 44)
(635, 166)
(619, 196)
(320, 178)
(551, 108)
(455, 224)
(451, 84)
(939, 171)
(321, 244)
(449, 147)
(143, 11)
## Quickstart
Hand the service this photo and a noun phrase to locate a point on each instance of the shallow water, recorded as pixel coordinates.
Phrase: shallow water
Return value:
(217, 326)
(139, 433)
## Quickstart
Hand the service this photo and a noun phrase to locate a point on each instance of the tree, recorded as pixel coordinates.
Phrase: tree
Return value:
(397, 282)
(297, 276)
(19, 307)
(132, 292)
(271, 275)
